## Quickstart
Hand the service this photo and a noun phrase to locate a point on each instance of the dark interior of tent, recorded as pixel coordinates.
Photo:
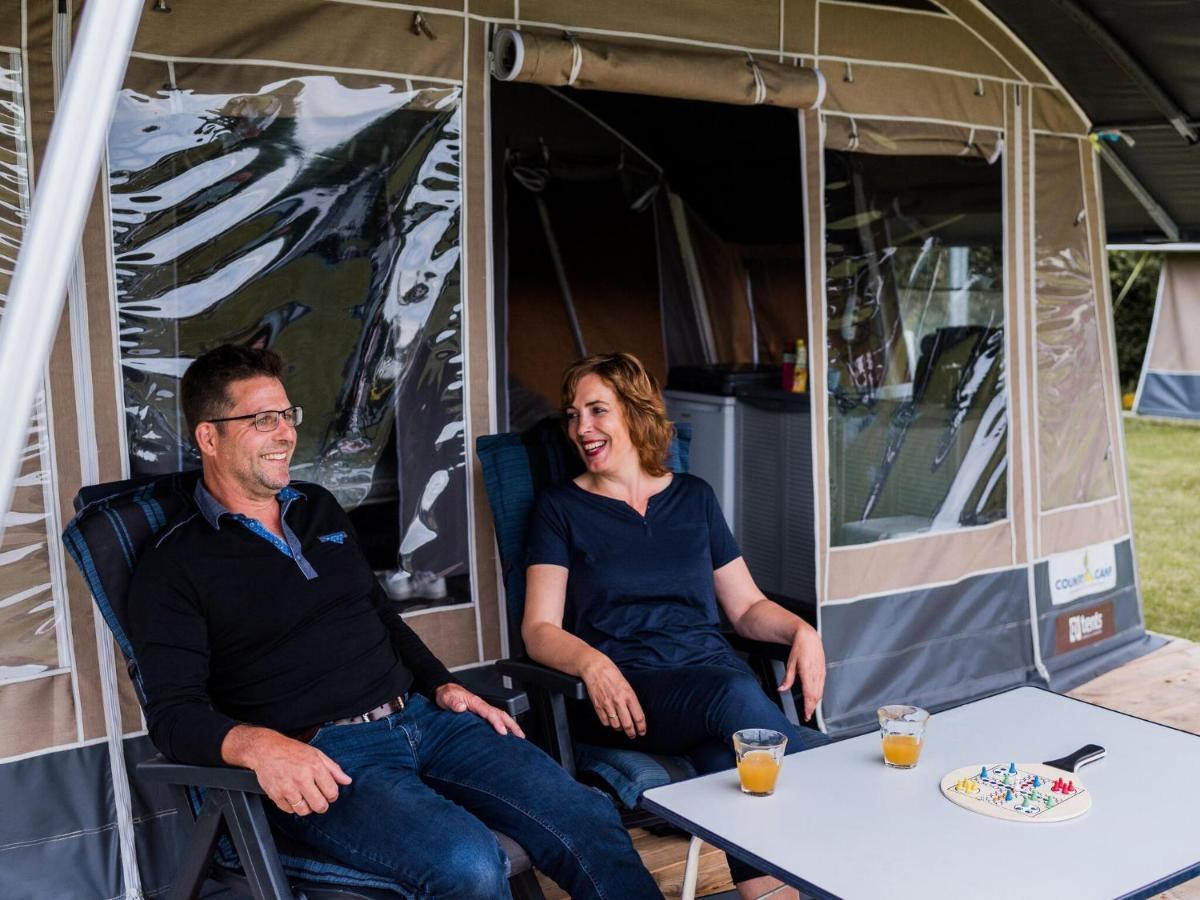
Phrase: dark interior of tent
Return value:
(672, 229)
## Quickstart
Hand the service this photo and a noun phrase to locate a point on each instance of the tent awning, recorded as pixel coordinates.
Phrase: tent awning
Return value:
(1133, 66)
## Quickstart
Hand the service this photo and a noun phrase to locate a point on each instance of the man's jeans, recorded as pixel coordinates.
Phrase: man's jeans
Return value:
(428, 785)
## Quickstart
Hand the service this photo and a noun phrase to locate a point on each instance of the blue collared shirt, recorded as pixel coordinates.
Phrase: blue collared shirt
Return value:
(212, 510)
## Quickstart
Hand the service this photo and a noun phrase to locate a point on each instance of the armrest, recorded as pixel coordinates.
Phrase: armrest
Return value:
(161, 770)
(486, 682)
(761, 649)
(530, 673)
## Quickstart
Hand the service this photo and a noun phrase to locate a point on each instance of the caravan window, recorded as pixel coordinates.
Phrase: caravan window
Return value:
(914, 284)
(319, 216)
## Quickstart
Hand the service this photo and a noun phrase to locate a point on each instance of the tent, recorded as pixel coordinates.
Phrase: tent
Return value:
(1170, 381)
(325, 177)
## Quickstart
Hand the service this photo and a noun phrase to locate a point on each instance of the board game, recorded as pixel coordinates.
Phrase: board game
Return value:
(1025, 792)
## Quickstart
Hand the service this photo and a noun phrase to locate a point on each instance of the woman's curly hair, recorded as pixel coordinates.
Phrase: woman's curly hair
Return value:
(641, 400)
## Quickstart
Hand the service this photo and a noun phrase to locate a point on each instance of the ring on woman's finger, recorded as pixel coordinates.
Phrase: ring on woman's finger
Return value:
(613, 716)
(300, 802)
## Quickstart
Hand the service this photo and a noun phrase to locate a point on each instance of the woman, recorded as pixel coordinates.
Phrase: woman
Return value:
(627, 565)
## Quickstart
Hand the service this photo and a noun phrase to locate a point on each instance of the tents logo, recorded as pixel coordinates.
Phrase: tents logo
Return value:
(1083, 627)
(1082, 573)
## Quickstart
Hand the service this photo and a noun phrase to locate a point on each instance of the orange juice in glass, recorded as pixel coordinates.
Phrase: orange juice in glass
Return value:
(759, 756)
(902, 730)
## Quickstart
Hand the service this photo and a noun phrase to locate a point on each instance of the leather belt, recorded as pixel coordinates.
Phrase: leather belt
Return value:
(371, 715)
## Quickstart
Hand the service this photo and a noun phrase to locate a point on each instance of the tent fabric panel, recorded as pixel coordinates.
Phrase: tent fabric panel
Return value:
(886, 137)
(935, 647)
(744, 23)
(306, 33)
(1066, 529)
(37, 715)
(1074, 437)
(493, 9)
(975, 16)
(863, 570)
(719, 76)
(889, 35)
(478, 337)
(66, 846)
(1120, 618)
(449, 633)
(799, 26)
(890, 92)
(1175, 348)
(1052, 111)
(1170, 394)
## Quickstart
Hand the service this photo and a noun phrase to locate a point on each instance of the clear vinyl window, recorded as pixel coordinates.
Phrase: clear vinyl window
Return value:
(318, 216)
(1074, 436)
(918, 415)
(29, 611)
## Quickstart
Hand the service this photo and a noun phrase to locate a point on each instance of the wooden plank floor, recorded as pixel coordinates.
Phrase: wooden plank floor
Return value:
(1163, 686)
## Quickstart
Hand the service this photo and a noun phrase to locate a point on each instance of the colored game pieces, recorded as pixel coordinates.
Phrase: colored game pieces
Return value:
(1037, 782)
(1012, 768)
(1008, 795)
(1063, 787)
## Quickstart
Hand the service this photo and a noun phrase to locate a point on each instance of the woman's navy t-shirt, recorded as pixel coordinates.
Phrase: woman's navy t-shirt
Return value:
(639, 589)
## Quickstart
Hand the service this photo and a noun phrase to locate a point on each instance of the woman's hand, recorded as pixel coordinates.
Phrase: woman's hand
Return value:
(806, 661)
(612, 697)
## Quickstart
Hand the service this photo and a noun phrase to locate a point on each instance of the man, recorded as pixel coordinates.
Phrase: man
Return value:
(264, 641)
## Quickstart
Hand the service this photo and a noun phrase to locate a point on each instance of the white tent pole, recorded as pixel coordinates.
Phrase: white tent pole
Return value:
(56, 219)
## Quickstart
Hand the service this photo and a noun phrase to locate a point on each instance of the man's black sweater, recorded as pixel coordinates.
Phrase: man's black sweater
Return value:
(230, 625)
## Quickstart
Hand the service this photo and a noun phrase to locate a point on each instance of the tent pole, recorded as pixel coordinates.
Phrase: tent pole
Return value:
(60, 204)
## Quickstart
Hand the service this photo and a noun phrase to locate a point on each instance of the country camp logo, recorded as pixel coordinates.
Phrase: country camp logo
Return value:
(1082, 573)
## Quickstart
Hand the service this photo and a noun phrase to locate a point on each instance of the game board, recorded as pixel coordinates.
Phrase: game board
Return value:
(1025, 792)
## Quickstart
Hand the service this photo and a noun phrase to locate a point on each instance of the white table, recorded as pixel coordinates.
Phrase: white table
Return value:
(841, 824)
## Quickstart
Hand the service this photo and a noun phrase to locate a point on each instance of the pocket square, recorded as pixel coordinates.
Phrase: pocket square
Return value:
(334, 537)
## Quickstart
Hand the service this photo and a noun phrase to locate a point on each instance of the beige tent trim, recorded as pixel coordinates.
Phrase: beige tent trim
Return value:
(918, 67)
(1070, 529)
(284, 64)
(921, 587)
(899, 566)
(887, 35)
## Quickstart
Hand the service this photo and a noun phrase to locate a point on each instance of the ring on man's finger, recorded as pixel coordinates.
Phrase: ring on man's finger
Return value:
(300, 802)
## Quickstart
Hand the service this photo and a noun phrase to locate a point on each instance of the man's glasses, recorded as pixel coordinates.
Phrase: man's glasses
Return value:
(269, 420)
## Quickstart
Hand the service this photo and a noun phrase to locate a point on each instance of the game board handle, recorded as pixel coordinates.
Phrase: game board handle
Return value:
(1072, 762)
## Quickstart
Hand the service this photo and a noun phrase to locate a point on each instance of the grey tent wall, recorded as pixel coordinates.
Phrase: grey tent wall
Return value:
(943, 646)
(65, 843)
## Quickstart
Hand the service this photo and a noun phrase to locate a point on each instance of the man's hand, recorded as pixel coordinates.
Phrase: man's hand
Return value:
(298, 778)
(456, 698)
(806, 661)
(613, 697)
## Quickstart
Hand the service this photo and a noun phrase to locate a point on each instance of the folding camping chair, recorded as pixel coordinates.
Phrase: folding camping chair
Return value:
(515, 468)
(112, 526)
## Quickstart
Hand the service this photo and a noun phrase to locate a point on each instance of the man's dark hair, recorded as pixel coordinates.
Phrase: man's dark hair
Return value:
(203, 391)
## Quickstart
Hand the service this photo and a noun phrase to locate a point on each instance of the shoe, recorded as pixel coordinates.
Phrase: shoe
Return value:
(398, 584)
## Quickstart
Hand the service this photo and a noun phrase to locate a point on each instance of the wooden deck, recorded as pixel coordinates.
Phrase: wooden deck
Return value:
(1163, 686)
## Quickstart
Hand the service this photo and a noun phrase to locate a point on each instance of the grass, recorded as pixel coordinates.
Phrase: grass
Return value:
(1164, 484)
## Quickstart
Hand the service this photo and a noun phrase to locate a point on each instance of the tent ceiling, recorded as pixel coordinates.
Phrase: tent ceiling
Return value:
(1160, 40)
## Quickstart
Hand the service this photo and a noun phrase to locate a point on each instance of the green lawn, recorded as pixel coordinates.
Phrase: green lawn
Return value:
(1164, 482)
